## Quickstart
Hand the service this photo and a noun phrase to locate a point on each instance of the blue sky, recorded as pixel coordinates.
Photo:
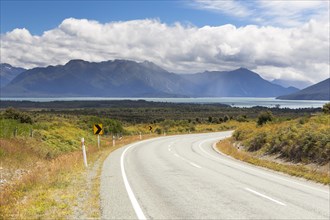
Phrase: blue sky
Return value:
(39, 16)
(277, 39)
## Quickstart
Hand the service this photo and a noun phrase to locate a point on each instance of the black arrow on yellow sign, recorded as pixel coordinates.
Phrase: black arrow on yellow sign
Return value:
(98, 129)
(150, 128)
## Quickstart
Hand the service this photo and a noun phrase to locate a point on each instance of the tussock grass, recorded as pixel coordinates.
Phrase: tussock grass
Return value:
(51, 188)
(305, 140)
(31, 195)
(226, 146)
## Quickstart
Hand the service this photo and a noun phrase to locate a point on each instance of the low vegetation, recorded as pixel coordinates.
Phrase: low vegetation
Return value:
(305, 139)
(298, 170)
(299, 147)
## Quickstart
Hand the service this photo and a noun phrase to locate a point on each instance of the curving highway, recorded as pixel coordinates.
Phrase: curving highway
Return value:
(183, 177)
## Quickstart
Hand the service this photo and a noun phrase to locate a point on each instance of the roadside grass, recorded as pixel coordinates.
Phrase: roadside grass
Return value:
(52, 187)
(226, 146)
(39, 192)
(302, 140)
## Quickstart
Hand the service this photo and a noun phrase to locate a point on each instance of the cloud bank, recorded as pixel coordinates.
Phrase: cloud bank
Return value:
(300, 52)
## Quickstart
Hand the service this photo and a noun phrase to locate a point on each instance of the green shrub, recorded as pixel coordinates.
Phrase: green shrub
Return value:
(257, 142)
(264, 117)
(326, 108)
(11, 113)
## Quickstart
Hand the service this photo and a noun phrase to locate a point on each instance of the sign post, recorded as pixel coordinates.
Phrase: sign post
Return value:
(99, 131)
(84, 152)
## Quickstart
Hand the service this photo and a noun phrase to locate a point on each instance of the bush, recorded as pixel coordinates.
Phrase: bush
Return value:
(264, 117)
(257, 142)
(158, 131)
(326, 108)
(12, 113)
(241, 118)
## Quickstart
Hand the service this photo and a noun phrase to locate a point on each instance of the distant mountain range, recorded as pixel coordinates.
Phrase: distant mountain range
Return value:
(300, 84)
(123, 78)
(319, 91)
(8, 73)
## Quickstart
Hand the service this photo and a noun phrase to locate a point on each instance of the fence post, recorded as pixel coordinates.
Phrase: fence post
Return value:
(98, 141)
(84, 152)
(113, 141)
(140, 136)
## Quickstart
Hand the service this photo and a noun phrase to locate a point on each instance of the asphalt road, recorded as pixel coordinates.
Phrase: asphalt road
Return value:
(183, 177)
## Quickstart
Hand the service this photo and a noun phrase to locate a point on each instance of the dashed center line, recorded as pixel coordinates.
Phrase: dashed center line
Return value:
(195, 165)
(264, 196)
(191, 163)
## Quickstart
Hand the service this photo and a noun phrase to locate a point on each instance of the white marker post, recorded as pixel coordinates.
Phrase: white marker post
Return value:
(140, 136)
(98, 141)
(113, 141)
(84, 152)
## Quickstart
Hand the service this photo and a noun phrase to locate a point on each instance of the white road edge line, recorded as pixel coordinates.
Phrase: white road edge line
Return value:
(254, 169)
(264, 196)
(135, 204)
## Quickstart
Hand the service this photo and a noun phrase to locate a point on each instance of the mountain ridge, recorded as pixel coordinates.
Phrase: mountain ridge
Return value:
(8, 73)
(299, 84)
(126, 78)
(318, 91)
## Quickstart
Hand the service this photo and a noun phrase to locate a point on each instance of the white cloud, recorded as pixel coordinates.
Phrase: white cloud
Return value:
(300, 52)
(283, 13)
(228, 7)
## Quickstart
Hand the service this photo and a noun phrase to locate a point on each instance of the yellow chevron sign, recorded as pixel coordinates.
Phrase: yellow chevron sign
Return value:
(98, 129)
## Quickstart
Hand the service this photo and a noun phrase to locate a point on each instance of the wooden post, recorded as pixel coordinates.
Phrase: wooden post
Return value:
(84, 152)
(98, 141)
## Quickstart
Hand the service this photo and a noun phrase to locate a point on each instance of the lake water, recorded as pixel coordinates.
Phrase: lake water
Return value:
(233, 101)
